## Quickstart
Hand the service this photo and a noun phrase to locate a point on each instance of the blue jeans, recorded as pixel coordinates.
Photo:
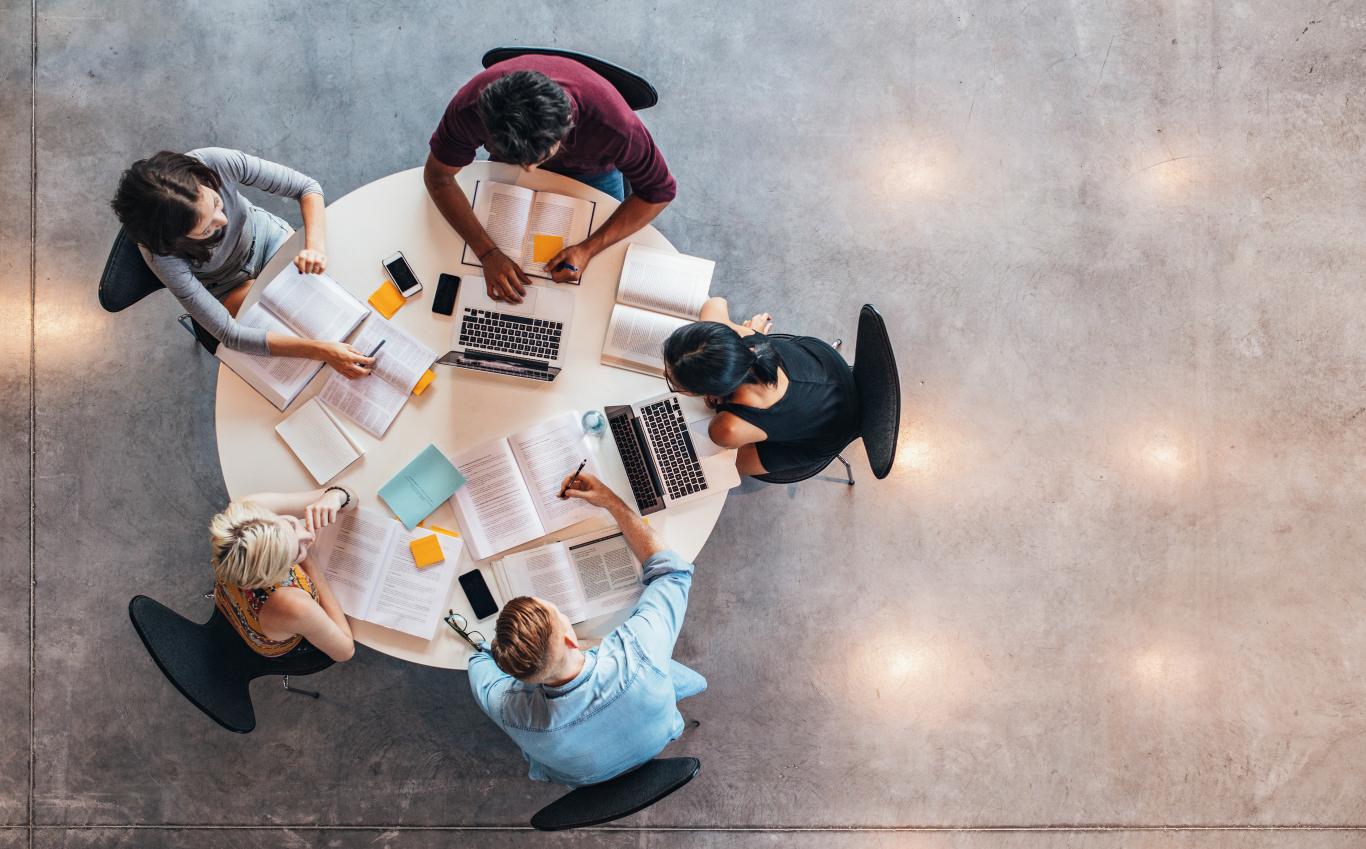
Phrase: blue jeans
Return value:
(269, 232)
(608, 182)
(686, 682)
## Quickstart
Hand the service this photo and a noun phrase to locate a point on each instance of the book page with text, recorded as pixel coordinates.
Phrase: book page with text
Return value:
(547, 573)
(609, 575)
(279, 379)
(494, 508)
(410, 599)
(553, 215)
(352, 552)
(547, 454)
(313, 305)
(402, 361)
(635, 338)
(318, 440)
(664, 281)
(368, 401)
(503, 210)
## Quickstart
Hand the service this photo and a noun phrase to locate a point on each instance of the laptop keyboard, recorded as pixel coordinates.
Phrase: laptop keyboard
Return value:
(532, 338)
(631, 458)
(674, 452)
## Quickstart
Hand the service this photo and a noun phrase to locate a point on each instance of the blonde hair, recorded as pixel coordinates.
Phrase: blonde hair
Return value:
(250, 546)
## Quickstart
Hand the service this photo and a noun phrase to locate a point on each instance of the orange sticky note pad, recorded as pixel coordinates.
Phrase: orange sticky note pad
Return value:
(423, 382)
(387, 299)
(426, 551)
(544, 248)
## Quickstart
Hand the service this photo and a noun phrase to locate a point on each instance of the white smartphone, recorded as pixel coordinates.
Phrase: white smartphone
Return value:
(402, 274)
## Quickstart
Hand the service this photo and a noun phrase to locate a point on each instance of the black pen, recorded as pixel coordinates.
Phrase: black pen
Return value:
(570, 482)
(377, 347)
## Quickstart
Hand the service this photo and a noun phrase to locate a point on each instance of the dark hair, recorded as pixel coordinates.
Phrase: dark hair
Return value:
(156, 202)
(525, 113)
(709, 358)
(521, 642)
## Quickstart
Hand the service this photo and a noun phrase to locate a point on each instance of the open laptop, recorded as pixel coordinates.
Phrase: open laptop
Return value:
(668, 460)
(522, 340)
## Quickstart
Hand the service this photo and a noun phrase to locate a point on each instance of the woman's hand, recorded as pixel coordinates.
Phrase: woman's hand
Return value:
(346, 360)
(761, 323)
(311, 261)
(323, 512)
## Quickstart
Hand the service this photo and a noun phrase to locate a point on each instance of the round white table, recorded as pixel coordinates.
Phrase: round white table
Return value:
(461, 408)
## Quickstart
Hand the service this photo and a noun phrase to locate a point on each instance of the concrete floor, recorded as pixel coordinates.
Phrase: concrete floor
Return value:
(1114, 581)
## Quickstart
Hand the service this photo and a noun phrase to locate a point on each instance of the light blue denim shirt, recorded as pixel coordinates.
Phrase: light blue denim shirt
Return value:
(620, 710)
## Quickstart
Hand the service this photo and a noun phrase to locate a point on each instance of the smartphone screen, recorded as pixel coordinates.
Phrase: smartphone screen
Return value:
(481, 600)
(401, 274)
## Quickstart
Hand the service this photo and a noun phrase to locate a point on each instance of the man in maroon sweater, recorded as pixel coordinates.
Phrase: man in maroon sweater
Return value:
(554, 113)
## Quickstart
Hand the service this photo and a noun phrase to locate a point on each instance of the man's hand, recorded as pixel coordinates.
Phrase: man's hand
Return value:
(592, 490)
(503, 278)
(576, 255)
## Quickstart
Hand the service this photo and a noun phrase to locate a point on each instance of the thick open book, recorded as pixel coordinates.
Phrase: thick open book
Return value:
(366, 559)
(587, 576)
(659, 292)
(319, 440)
(514, 216)
(512, 486)
(313, 306)
(373, 401)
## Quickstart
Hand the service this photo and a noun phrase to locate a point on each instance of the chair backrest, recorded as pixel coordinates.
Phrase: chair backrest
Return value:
(619, 797)
(209, 663)
(634, 89)
(126, 278)
(879, 389)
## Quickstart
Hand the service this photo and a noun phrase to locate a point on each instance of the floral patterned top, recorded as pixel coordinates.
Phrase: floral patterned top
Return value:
(242, 607)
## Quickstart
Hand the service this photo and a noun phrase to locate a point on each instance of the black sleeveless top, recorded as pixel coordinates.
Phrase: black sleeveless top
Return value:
(819, 413)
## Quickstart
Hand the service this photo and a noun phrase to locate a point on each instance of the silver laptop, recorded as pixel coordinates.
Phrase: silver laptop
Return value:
(668, 459)
(521, 340)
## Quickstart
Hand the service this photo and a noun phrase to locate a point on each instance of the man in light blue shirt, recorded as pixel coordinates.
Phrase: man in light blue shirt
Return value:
(582, 717)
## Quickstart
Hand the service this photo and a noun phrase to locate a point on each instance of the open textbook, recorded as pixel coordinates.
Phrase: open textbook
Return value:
(512, 486)
(373, 401)
(366, 559)
(514, 217)
(660, 291)
(319, 440)
(587, 576)
(313, 306)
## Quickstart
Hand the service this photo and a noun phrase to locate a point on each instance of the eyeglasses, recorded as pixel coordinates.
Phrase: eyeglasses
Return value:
(461, 626)
(673, 387)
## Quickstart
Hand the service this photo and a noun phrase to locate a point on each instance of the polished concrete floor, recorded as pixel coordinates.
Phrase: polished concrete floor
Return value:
(1112, 595)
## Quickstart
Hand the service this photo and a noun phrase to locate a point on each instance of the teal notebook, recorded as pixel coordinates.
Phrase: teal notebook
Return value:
(416, 492)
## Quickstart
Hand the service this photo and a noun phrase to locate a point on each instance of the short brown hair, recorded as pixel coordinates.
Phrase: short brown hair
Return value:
(521, 642)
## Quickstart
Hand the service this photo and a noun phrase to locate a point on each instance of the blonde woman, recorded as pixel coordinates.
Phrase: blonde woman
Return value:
(275, 597)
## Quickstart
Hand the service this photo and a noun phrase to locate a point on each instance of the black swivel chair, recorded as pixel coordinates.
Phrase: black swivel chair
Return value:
(619, 797)
(879, 389)
(210, 664)
(127, 280)
(634, 89)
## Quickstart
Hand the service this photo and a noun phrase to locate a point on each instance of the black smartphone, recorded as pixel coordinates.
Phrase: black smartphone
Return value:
(402, 275)
(481, 600)
(447, 287)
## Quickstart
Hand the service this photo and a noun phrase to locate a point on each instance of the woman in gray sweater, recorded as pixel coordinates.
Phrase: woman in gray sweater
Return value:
(207, 243)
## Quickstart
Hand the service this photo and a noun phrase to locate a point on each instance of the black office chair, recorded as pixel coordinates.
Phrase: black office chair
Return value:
(618, 797)
(879, 388)
(634, 89)
(127, 280)
(211, 665)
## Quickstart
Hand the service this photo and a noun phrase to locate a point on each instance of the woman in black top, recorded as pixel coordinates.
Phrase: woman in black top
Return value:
(786, 402)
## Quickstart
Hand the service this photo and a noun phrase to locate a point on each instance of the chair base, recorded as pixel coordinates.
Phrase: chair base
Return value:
(300, 690)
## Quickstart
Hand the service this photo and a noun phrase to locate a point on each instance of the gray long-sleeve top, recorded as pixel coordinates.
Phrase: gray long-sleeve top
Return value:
(197, 286)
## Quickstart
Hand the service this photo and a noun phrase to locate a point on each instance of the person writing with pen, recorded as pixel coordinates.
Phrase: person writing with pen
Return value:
(582, 717)
(547, 112)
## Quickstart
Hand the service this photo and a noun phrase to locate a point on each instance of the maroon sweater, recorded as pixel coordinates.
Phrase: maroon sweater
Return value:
(606, 133)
